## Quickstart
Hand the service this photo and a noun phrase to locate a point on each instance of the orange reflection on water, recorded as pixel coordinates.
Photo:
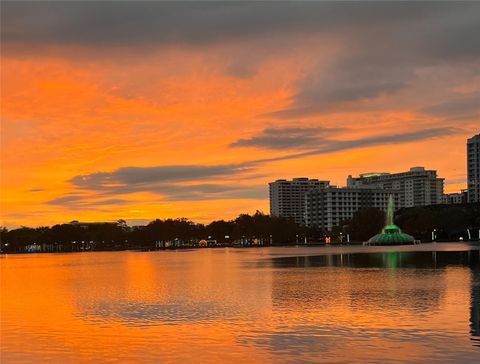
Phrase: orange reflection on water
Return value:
(229, 305)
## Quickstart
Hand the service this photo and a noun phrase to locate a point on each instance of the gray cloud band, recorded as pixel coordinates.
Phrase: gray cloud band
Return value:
(104, 23)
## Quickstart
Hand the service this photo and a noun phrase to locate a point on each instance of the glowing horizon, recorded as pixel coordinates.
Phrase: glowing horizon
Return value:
(189, 110)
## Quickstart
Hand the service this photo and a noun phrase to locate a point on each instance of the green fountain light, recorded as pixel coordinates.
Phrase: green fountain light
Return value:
(391, 233)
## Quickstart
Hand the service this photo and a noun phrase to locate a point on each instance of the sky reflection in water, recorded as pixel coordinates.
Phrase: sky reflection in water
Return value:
(247, 305)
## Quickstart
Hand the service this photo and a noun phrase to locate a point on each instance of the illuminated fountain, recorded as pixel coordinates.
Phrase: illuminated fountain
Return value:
(391, 233)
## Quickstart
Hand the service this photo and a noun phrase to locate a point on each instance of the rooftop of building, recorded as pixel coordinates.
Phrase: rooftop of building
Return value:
(301, 179)
(474, 139)
(417, 169)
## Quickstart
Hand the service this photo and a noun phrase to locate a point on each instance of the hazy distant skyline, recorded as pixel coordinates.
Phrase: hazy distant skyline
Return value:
(139, 110)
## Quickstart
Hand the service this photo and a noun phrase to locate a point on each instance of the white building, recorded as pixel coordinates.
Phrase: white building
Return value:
(417, 187)
(287, 198)
(328, 207)
(473, 168)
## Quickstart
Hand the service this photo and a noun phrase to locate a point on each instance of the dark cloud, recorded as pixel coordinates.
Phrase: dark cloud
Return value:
(333, 145)
(459, 30)
(167, 191)
(139, 176)
(133, 23)
(110, 201)
(381, 60)
(173, 183)
(65, 200)
(199, 192)
(467, 105)
(365, 73)
(347, 82)
(288, 138)
(384, 43)
(75, 201)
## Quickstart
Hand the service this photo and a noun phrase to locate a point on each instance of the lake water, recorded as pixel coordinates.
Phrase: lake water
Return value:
(268, 305)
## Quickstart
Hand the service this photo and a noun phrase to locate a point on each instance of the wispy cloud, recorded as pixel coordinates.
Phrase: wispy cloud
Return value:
(328, 145)
(288, 138)
(76, 201)
(143, 176)
(467, 105)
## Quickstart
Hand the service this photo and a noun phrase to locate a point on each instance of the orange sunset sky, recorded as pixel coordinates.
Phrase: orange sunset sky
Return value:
(138, 110)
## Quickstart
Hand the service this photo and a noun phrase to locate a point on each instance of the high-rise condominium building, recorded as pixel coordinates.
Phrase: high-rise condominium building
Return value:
(287, 198)
(473, 168)
(417, 187)
(328, 207)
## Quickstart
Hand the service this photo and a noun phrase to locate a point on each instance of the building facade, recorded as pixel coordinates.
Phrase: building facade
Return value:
(473, 168)
(287, 197)
(328, 207)
(417, 187)
(455, 198)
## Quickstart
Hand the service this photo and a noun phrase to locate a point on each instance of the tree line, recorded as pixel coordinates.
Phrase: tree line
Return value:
(450, 222)
(258, 227)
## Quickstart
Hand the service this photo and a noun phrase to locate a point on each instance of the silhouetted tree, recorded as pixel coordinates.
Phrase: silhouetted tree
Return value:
(219, 229)
(365, 223)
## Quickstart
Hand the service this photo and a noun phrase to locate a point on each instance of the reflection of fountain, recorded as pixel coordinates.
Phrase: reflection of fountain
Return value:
(391, 233)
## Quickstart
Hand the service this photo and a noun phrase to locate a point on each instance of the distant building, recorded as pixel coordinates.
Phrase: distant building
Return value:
(455, 198)
(417, 187)
(328, 207)
(287, 198)
(473, 168)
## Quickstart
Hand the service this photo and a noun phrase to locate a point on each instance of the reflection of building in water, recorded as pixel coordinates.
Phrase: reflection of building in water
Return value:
(392, 287)
(373, 289)
(475, 306)
(391, 260)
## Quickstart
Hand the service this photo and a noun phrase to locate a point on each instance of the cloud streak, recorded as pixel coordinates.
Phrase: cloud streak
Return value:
(75, 201)
(180, 183)
(288, 138)
(141, 176)
(460, 106)
(266, 140)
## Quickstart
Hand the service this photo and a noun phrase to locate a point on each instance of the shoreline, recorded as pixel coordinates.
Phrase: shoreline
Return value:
(350, 248)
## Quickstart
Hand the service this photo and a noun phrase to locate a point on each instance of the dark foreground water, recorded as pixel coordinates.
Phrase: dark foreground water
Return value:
(358, 304)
